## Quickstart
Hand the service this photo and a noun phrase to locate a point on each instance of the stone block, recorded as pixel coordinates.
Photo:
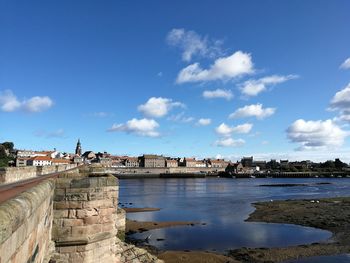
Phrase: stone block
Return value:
(67, 204)
(90, 220)
(72, 222)
(60, 213)
(72, 213)
(76, 197)
(86, 212)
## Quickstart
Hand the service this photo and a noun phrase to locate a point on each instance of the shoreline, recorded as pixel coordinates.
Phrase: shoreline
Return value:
(133, 226)
(330, 214)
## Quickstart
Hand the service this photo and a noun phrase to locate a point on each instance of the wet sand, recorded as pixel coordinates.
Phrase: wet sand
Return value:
(332, 214)
(139, 210)
(133, 226)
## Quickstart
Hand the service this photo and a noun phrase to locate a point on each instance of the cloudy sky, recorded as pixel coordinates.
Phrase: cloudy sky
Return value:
(229, 78)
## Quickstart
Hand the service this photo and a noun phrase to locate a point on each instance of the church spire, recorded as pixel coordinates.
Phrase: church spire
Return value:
(78, 148)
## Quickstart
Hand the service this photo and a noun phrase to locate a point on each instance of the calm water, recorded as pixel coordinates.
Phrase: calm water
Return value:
(223, 205)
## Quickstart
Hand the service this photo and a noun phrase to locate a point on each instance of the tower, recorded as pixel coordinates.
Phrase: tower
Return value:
(78, 148)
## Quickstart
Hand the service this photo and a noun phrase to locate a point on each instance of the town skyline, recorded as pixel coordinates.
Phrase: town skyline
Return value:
(190, 83)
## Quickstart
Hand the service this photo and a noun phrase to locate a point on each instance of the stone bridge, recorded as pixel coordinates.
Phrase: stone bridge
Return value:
(66, 216)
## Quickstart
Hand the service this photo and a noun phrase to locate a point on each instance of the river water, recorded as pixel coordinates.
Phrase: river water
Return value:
(222, 205)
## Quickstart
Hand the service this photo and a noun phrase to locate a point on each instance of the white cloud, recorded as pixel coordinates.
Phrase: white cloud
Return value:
(203, 122)
(158, 107)
(316, 134)
(253, 87)
(254, 110)
(225, 130)
(10, 103)
(224, 68)
(37, 104)
(341, 103)
(229, 142)
(218, 93)
(243, 128)
(346, 64)
(192, 44)
(141, 127)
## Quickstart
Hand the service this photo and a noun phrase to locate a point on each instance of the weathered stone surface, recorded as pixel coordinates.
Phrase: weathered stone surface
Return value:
(25, 225)
(91, 203)
(81, 216)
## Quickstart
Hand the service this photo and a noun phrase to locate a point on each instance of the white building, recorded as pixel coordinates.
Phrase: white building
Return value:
(39, 161)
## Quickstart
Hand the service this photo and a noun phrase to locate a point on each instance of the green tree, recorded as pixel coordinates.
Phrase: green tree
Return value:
(8, 145)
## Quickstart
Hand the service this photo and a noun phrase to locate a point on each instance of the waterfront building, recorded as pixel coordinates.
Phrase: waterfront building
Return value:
(201, 164)
(131, 162)
(152, 161)
(190, 162)
(39, 161)
(21, 161)
(171, 163)
(218, 163)
(25, 153)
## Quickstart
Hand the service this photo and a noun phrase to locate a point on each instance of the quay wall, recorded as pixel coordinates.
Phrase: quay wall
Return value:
(25, 225)
(15, 174)
(165, 170)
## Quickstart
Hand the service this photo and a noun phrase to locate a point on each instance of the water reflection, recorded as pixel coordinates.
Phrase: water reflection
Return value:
(223, 204)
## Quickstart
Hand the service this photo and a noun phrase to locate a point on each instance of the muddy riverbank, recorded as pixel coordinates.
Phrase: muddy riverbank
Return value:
(332, 214)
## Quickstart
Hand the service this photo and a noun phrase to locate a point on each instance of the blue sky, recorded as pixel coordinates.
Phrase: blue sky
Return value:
(228, 78)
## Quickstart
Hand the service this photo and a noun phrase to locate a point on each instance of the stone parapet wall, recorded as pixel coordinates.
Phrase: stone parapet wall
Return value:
(42, 170)
(85, 216)
(15, 174)
(73, 218)
(25, 225)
